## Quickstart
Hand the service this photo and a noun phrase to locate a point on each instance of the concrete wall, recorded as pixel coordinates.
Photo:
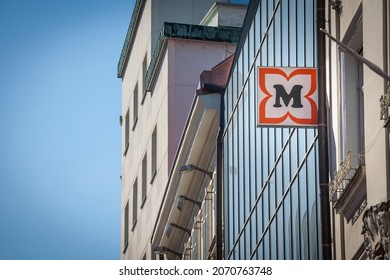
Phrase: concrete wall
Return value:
(373, 22)
(223, 14)
(153, 113)
(131, 163)
(166, 107)
(188, 58)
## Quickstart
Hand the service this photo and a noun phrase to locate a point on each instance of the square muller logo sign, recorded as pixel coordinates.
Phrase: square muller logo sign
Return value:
(287, 96)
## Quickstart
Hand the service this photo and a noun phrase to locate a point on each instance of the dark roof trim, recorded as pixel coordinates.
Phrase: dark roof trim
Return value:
(130, 37)
(188, 31)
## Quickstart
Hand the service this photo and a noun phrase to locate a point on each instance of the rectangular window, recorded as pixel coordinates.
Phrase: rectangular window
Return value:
(127, 132)
(144, 178)
(154, 154)
(352, 109)
(126, 228)
(208, 225)
(135, 106)
(350, 176)
(360, 89)
(135, 206)
(144, 69)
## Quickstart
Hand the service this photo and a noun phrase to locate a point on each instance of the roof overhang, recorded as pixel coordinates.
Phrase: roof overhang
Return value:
(130, 37)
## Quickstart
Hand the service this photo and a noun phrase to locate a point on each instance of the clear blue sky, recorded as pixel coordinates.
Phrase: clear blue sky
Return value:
(60, 143)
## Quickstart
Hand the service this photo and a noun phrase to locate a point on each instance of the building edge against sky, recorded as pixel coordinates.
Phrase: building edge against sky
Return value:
(157, 92)
(271, 174)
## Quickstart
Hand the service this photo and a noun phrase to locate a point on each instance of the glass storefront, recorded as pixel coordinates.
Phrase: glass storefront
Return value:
(271, 208)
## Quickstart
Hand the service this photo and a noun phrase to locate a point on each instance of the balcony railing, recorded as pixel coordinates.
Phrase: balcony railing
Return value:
(343, 175)
(385, 104)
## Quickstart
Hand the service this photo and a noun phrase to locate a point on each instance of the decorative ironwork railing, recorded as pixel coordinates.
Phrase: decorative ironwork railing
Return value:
(385, 104)
(344, 173)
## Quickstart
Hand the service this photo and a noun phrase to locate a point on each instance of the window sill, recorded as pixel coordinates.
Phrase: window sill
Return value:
(153, 176)
(134, 224)
(143, 97)
(135, 124)
(143, 202)
(125, 247)
(126, 148)
(353, 196)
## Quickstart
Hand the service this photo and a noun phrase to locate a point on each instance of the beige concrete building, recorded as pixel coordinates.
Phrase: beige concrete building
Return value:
(164, 52)
(358, 128)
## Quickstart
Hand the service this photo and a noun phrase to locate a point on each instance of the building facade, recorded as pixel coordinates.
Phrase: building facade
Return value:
(270, 173)
(273, 204)
(271, 176)
(358, 128)
(164, 52)
(270, 182)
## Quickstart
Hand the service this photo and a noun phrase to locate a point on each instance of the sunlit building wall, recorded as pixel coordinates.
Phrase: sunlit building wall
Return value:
(358, 128)
(163, 54)
(271, 190)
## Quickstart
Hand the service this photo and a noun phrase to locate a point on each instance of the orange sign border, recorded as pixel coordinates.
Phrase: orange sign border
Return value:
(263, 120)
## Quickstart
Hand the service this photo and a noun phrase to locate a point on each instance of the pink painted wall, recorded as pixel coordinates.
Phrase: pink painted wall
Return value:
(187, 60)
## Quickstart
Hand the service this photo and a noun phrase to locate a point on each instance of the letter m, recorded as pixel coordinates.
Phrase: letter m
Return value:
(295, 94)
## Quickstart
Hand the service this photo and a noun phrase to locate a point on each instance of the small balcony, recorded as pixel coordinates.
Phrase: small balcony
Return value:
(348, 189)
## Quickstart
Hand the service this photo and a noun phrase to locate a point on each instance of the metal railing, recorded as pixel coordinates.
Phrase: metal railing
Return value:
(385, 104)
(343, 175)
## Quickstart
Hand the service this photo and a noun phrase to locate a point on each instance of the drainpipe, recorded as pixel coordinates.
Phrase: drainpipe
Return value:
(219, 218)
(386, 28)
(337, 6)
(323, 134)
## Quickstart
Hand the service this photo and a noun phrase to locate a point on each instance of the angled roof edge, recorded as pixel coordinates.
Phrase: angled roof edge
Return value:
(129, 40)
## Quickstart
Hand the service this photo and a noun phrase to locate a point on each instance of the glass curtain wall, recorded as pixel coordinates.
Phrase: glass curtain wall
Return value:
(271, 202)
